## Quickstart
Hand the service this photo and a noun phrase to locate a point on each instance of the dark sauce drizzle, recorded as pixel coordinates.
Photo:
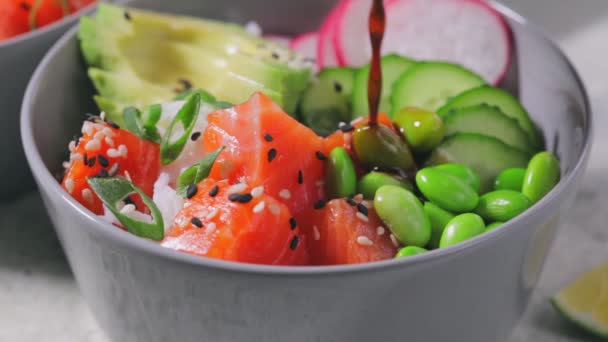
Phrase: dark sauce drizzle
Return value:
(377, 25)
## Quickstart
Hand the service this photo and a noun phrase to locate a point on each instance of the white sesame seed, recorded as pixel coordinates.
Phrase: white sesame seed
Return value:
(128, 176)
(87, 128)
(113, 153)
(109, 141)
(274, 209)
(367, 204)
(236, 188)
(72, 146)
(66, 165)
(102, 116)
(87, 195)
(209, 227)
(316, 234)
(286, 194)
(394, 240)
(74, 157)
(341, 123)
(259, 207)
(364, 241)
(108, 132)
(319, 183)
(69, 185)
(122, 149)
(93, 145)
(213, 213)
(362, 217)
(257, 191)
(127, 209)
(99, 135)
(358, 197)
(380, 230)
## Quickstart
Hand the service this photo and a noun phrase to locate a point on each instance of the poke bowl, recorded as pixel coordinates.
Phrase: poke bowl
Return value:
(192, 290)
(19, 55)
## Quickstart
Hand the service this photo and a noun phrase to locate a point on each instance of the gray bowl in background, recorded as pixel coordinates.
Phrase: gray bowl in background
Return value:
(475, 291)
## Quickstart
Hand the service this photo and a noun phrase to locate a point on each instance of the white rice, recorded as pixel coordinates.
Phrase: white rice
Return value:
(166, 199)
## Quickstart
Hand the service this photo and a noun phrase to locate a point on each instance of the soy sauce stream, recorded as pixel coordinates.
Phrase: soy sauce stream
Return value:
(377, 25)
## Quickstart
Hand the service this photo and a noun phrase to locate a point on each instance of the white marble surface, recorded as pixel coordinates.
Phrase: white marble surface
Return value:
(39, 300)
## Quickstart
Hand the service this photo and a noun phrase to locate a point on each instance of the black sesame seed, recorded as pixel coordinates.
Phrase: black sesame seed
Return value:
(292, 223)
(103, 173)
(85, 159)
(275, 55)
(347, 128)
(112, 124)
(320, 204)
(337, 87)
(25, 6)
(351, 202)
(127, 16)
(213, 192)
(362, 209)
(294, 242)
(128, 200)
(300, 177)
(191, 190)
(187, 84)
(272, 153)
(240, 198)
(320, 155)
(76, 139)
(195, 136)
(91, 161)
(268, 137)
(197, 222)
(103, 161)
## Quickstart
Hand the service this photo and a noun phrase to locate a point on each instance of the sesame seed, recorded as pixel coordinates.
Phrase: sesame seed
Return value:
(257, 191)
(75, 157)
(128, 176)
(294, 242)
(91, 161)
(394, 240)
(364, 241)
(66, 165)
(358, 197)
(213, 192)
(195, 136)
(93, 145)
(127, 209)
(272, 153)
(87, 195)
(108, 132)
(102, 116)
(87, 128)
(292, 223)
(109, 141)
(320, 204)
(286, 194)
(127, 16)
(240, 187)
(103, 161)
(362, 217)
(99, 135)
(69, 185)
(274, 209)
(320, 155)
(113, 124)
(210, 228)
(240, 198)
(300, 177)
(351, 202)
(259, 207)
(275, 55)
(367, 204)
(380, 230)
(128, 200)
(212, 214)
(72, 146)
(187, 84)
(113, 153)
(122, 149)
(362, 209)
(316, 233)
(268, 137)
(341, 123)
(113, 170)
(337, 87)
(197, 222)
(191, 191)
(347, 127)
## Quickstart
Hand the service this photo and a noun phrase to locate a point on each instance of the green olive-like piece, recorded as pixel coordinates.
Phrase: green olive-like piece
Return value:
(510, 179)
(502, 205)
(541, 176)
(371, 182)
(423, 129)
(464, 173)
(377, 146)
(439, 219)
(494, 225)
(340, 175)
(447, 191)
(409, 251)
(461, 228)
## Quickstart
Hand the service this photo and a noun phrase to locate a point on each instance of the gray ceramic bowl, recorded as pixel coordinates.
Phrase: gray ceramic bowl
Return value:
(475, 291)
(18, 59)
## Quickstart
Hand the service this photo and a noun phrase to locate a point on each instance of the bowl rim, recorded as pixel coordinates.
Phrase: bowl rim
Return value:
(97, 226)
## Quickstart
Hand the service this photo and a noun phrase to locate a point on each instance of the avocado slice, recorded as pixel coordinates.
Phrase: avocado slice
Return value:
(139, 57)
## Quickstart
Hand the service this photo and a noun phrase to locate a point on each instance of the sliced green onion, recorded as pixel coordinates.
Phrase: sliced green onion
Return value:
(187, 115)
(197, 172)
(222, 105)
(205, 96)
(151, 115)
(132, 118)
(113, 190)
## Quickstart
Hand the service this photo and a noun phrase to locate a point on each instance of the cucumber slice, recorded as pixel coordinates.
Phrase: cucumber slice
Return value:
(488, 120)
(323, 107)
(341, 78)
(507, 103)
(486, 155)
(429, 85)
(392, 67)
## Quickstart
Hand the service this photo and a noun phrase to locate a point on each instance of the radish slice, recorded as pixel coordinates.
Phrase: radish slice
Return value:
(306, 44)
(467, 32)
(326, 51)
(283, 40)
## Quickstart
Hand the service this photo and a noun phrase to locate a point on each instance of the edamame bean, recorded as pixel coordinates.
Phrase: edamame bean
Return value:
(502, 205)
(402, 213)
(371, 182)
(493, 225)
(464, 173)
(439, 219)
(541, 176)
(448, 192)
(461, 228)
(510, 179)
(422, 129)
(340, 176)
(409, 251)
(379, 146)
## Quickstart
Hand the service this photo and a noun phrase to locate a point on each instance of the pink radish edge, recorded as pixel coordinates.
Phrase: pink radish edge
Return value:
(326, 33)
(281, 39)
(298, 40)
